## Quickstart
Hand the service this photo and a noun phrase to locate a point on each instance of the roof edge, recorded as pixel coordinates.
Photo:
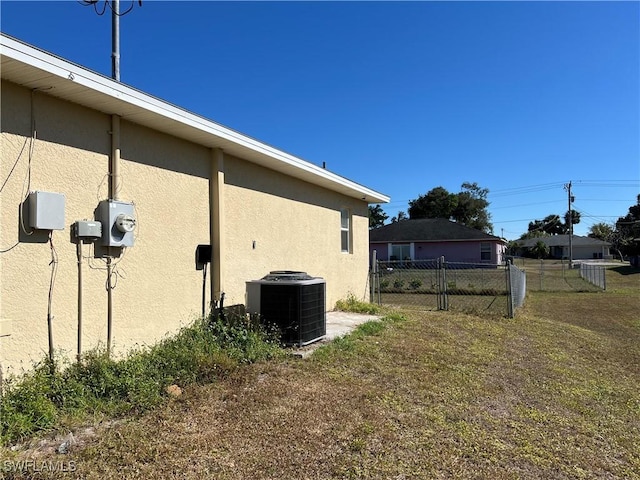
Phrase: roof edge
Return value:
(85, 78)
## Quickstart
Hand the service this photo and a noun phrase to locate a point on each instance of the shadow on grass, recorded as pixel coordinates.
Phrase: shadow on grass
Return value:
(626, 270)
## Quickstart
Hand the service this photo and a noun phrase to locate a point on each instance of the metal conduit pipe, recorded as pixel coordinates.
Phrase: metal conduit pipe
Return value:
(114, 181)
(114, 161)
(79, 253)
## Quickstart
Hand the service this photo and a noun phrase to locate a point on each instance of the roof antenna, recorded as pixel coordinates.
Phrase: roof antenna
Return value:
(114, 6)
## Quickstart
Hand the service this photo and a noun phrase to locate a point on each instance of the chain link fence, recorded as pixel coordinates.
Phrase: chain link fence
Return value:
(557, 276)
(594, 274)
(436, 284)
(517, 288)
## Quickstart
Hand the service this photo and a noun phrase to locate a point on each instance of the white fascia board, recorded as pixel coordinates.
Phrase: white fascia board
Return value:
(81, 76)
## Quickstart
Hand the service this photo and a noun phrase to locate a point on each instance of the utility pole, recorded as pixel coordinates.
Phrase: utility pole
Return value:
(570, 199)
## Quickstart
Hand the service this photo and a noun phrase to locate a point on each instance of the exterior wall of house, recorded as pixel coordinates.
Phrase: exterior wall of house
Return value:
(589, 252)
(295, 225)
(453, 251)
(580, 252)
(157, 288)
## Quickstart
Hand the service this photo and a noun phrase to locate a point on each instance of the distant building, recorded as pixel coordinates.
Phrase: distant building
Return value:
(583, 248)
(430, 238)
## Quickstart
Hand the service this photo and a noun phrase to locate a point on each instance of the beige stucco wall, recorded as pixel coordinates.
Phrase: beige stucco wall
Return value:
(295, 225)
(158, 288)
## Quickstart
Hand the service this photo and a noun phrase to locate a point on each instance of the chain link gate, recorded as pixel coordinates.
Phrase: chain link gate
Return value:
(435, 284)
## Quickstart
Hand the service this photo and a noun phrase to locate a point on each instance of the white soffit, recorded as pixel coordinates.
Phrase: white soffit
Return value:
(36, 69)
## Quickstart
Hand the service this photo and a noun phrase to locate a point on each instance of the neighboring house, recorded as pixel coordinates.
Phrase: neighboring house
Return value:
(583, 248)
(181, 180)
(430, 238)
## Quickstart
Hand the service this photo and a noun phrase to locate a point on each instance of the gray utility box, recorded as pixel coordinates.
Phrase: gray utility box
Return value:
(110, 214)
(292, 301)
(88, 230)
(46, 210)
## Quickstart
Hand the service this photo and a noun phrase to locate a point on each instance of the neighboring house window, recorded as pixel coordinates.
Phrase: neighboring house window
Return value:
(345, 230)
(401, 252)
(485, 251)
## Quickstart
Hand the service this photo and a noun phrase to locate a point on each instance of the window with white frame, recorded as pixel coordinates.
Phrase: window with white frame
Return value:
(485, 251)
(345, 230)
(400, 252)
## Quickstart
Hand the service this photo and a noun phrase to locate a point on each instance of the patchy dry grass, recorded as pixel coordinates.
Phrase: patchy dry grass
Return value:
(552, 394)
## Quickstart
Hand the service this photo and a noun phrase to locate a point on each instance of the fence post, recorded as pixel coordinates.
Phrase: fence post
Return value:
(509, 291)
(440, 286)
(542, 274)
(443, 300)
(372, 279)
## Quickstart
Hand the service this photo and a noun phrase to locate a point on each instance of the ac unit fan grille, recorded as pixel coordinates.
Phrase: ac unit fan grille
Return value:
(298, 310)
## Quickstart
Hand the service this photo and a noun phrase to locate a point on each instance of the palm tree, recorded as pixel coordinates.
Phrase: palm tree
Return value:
(602, 231)
(572, 216)
(540, 249)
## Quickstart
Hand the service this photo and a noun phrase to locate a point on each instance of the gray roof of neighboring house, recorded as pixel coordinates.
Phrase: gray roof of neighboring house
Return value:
(563, 241)
(428, 230)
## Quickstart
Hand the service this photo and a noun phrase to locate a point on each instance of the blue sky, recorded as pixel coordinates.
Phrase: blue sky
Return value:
(520, 97)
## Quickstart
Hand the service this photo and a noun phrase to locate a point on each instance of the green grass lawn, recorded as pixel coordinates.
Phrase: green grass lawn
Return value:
(551, 394)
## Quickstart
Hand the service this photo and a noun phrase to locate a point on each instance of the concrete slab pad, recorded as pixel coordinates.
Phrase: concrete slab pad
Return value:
(338, 324)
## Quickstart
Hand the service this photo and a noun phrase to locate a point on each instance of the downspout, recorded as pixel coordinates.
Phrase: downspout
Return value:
(216, 224)
(79, 253)
(114, 164)
(114, 180)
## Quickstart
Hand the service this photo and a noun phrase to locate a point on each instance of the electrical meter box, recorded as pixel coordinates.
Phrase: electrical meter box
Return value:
(46, 210)
(118, 223)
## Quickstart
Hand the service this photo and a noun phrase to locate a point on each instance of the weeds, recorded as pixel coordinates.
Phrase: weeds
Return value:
(200, 353)
(352, 304)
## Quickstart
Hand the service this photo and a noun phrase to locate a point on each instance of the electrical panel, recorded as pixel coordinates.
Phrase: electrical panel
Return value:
(46, 210)
(118, 223)
(203, 256)
(88, 230)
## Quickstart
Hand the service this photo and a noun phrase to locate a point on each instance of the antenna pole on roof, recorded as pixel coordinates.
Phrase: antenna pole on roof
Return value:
(114, 6)
(115, 40)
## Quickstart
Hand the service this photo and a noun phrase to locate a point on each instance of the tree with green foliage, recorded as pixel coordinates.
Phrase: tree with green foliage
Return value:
(468, 207)
(571, 217)
(534, 234)
(540, 249)
(436, 203)
(471, 208)
(628, 231)
(601, 231)
(400, 217)
(377, 217)
(553, 225)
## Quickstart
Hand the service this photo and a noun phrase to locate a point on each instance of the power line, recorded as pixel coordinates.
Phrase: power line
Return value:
(110, 4)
